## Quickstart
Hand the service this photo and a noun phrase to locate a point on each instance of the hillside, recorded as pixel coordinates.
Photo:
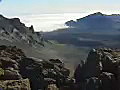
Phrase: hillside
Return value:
(14, 33)
(100, 71)
(13, 30)
(97, 23)
(92, 31)
(32, 60)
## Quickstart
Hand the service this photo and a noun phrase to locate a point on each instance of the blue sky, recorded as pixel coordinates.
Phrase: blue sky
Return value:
(14, 7)
(45, 14)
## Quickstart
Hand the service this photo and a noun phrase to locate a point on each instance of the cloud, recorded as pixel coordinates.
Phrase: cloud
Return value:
(49, 22)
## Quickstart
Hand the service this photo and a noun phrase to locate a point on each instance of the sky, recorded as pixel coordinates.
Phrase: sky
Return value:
(12, 7)
(49, 15)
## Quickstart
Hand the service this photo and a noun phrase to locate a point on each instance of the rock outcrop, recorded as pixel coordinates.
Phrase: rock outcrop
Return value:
(9, 62)
(100, 71)
(43, 73)
(23, 84)
(13, 30)
(18, 72)
(10, 76)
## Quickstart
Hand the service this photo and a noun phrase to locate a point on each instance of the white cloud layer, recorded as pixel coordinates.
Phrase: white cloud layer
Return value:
(50, 22)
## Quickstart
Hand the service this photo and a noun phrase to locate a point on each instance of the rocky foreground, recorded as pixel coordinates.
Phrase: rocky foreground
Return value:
(101, 71)
(18, 72)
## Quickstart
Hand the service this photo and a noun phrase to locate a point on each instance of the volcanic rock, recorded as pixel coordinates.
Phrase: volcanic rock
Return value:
(101, 70)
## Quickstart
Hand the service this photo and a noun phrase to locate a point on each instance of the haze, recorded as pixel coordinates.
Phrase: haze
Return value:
(48, 15)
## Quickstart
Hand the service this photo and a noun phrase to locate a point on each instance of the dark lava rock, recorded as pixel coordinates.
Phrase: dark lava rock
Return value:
(101, 70)
(93, 83)
(108, 81)
(22, 84)
(10, 76)
(9, 62)
(33, 70)
(14, 65)
(11, 52)
(43, 73)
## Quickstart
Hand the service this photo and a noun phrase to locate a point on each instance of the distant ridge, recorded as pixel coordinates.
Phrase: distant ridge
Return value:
(94, 30)
(13, 30)
(96, 20)
(99, 14)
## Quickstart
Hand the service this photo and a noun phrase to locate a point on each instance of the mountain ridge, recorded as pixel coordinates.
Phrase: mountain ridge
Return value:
(94, 30)
(46, 69)
(96, 21)
(14, 30)
(14, 33)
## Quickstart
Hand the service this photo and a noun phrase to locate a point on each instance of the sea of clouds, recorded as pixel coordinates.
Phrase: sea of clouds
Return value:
(49, 22)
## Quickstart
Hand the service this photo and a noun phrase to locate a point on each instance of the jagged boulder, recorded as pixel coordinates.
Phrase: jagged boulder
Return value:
(15, 85)
(93, 83)
(60, 66)
(110, 64)
(33, 70)
(9, 62)
(14, 65)
(43, 73)
(108, 81)
(31, 28)
(12, 52)
(103, 64)
(91, 68)
(57, 62)
(52, 87)
(10, 76)
(78, 74)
